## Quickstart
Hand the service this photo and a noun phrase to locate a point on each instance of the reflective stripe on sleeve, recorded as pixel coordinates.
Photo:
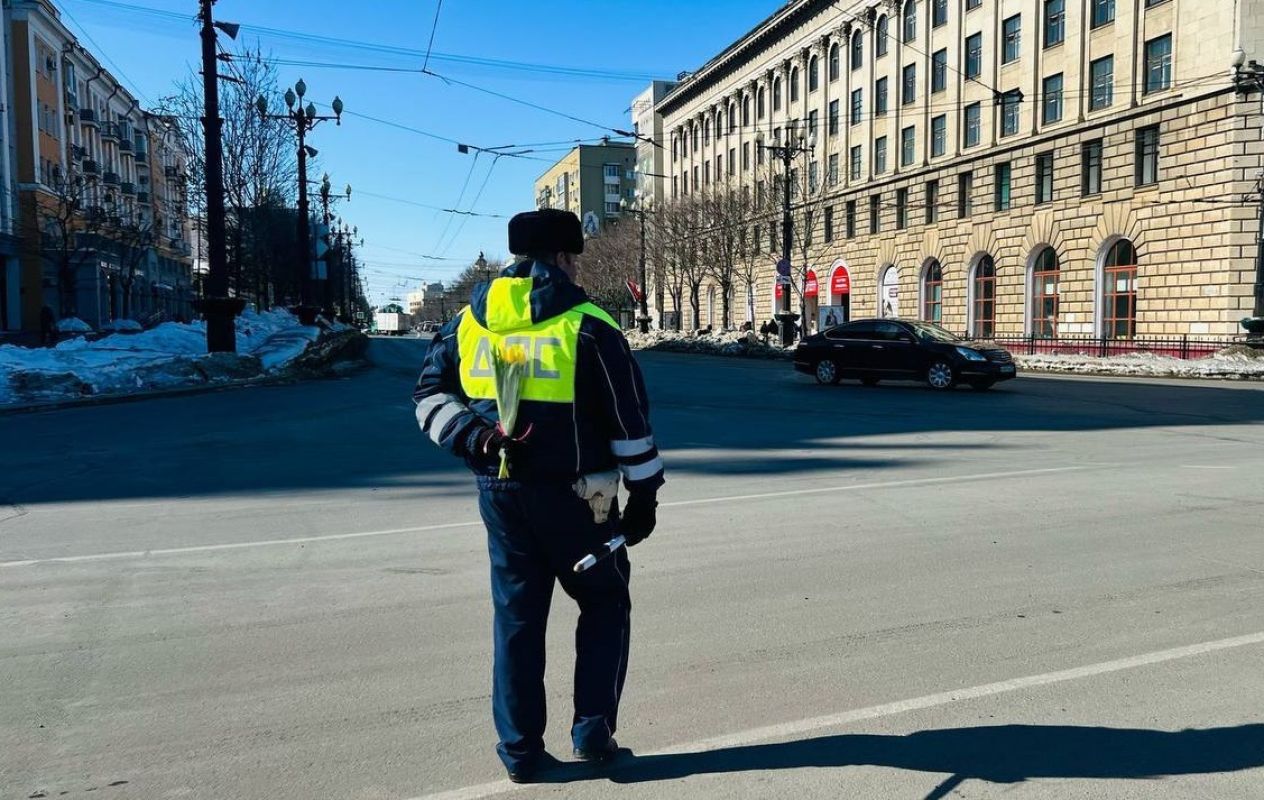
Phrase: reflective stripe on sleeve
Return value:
(441, 419)
(626, 448)
(640, 472)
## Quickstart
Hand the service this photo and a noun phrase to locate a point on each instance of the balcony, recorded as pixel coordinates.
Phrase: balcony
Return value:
(142, 198)
(170, 172)
(109, 132)
(91, 167)
(88, 117)
(142, 158)
(127, 187)
(111, 179)
(125, 146)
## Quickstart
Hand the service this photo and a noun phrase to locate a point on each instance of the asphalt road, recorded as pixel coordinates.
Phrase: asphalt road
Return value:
(1051, 590)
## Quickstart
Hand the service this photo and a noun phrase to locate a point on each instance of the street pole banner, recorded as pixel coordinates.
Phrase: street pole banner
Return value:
(637, 294)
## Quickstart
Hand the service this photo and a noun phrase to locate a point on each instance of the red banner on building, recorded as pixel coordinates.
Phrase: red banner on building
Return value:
(811, 287)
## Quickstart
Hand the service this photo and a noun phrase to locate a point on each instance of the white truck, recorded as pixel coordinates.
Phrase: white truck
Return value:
(391, 323)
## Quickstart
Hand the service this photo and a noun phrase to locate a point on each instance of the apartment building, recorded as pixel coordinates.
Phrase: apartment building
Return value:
(101, 184)
(591, 181)
(10, 267)
(1001, 167)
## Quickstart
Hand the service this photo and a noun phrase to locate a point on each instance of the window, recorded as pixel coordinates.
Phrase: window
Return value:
(1148, 156)
(1044, 178)
(675, 186)
(882, 31)
(1119, 296)
(833, 62)
(910, 20)
(794, 84)
(880, 155)
(809, 227)
(612, 208)
(939, 14)
(829, 223)
(1158, 64)
(732, 160)
(706, 172)
(1055, 22)
(875, 219)
(776, 94)
(732, 117)
(901, 209)
(909, 94)
(706, 130)
(857, 106)
(908, 146)
(746, 156)
(973, 4)
(857, 162)
(1003, 175)
(833, 118)
(772, 237)
(880, 97)
(813, 118)
(746, 111)
(610, 170)
(1012, 35)
(1091, 168)
(833, 169)
(939, 71)
(965, 192)
(973, 128)
(932, 202)
(760, 105)
(1153, 3)
(1044, 295)
(974, 55)
(939, 136)
(814, 74)
(1103, 77)
(814, 176)
(983, 288)
(1103, 12)
(851, 219)
(1010, 103)
(1051, 110)
(933, 293)
(857, 50)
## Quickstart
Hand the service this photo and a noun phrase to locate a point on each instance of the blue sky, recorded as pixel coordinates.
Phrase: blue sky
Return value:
(634, 38)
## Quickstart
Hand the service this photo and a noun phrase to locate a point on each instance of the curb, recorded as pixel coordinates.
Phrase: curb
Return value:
(152, 394)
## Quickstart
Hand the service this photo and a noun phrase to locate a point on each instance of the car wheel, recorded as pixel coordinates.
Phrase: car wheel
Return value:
(827, 372)
(940, 376)
(982, 386)
(870, 381)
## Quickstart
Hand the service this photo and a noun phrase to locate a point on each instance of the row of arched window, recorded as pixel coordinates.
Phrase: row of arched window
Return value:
(1117, 294)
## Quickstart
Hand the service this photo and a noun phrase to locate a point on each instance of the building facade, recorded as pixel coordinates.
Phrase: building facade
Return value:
(101, 184)
(590, 181)
(1001, 167)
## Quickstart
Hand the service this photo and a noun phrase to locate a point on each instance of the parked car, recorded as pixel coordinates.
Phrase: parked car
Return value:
(874, 350)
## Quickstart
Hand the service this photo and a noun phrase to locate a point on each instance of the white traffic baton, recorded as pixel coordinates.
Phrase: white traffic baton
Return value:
(593, 559)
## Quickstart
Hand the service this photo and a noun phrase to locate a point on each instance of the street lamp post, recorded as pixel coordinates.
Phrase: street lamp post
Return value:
(481, 265)
(643, 317)
(797, 142)
(1248, 76)
(304, 120)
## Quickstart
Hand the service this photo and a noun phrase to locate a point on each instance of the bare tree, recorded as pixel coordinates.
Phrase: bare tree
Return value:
(260, 163)
(610, 259)
(134, 239)
(68, 226)
(683, 246)
(809, 192)
(729, 211)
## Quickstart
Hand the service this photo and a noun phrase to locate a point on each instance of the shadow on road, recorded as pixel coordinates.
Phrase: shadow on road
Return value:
(712, 417)
(1005, 754)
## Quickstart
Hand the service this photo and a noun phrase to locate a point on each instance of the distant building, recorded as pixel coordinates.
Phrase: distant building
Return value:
(647, 124)
(421, 301)
(590, 181)
(101, 184)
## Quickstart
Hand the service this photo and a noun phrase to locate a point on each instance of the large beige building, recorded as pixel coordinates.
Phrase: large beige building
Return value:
(1003, 167)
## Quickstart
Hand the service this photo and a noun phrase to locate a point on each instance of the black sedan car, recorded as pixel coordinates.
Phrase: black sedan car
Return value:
(874, 350)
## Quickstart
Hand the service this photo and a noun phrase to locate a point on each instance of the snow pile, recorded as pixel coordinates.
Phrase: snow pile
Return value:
(743, 344)
(169, 355)
(1235, 363)
(73, 325)
(123, 326)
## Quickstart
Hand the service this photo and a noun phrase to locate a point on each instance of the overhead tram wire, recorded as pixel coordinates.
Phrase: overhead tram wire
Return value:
(135, 87)
(486, 179)
(433, 28)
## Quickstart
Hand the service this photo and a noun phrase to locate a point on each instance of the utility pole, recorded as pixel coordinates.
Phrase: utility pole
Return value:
(216, 306)
(796, 142)
(1248, 76)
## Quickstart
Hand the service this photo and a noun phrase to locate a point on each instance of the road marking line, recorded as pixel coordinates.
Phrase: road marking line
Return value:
(853, 487)
(987, 476)
(788, 729)
(206, 548)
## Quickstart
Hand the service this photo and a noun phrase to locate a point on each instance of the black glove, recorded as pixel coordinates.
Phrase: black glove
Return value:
(484, 447)
(639, 517)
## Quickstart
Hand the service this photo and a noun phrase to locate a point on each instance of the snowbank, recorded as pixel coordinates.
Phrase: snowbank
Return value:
(73, 325)
(169, 355)
(1235, 363)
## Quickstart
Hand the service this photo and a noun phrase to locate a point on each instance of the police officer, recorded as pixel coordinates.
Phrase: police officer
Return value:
(583, 414)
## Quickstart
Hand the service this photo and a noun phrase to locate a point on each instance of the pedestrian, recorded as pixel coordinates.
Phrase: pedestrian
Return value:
(583, 414)
(48, 323)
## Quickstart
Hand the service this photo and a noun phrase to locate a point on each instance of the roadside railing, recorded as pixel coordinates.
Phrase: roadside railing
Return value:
(1185, 347)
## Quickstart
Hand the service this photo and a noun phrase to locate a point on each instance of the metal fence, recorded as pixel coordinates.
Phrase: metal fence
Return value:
(1176, 347)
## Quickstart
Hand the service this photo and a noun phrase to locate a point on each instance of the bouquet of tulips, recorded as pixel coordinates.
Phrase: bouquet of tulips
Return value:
(509, 366)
